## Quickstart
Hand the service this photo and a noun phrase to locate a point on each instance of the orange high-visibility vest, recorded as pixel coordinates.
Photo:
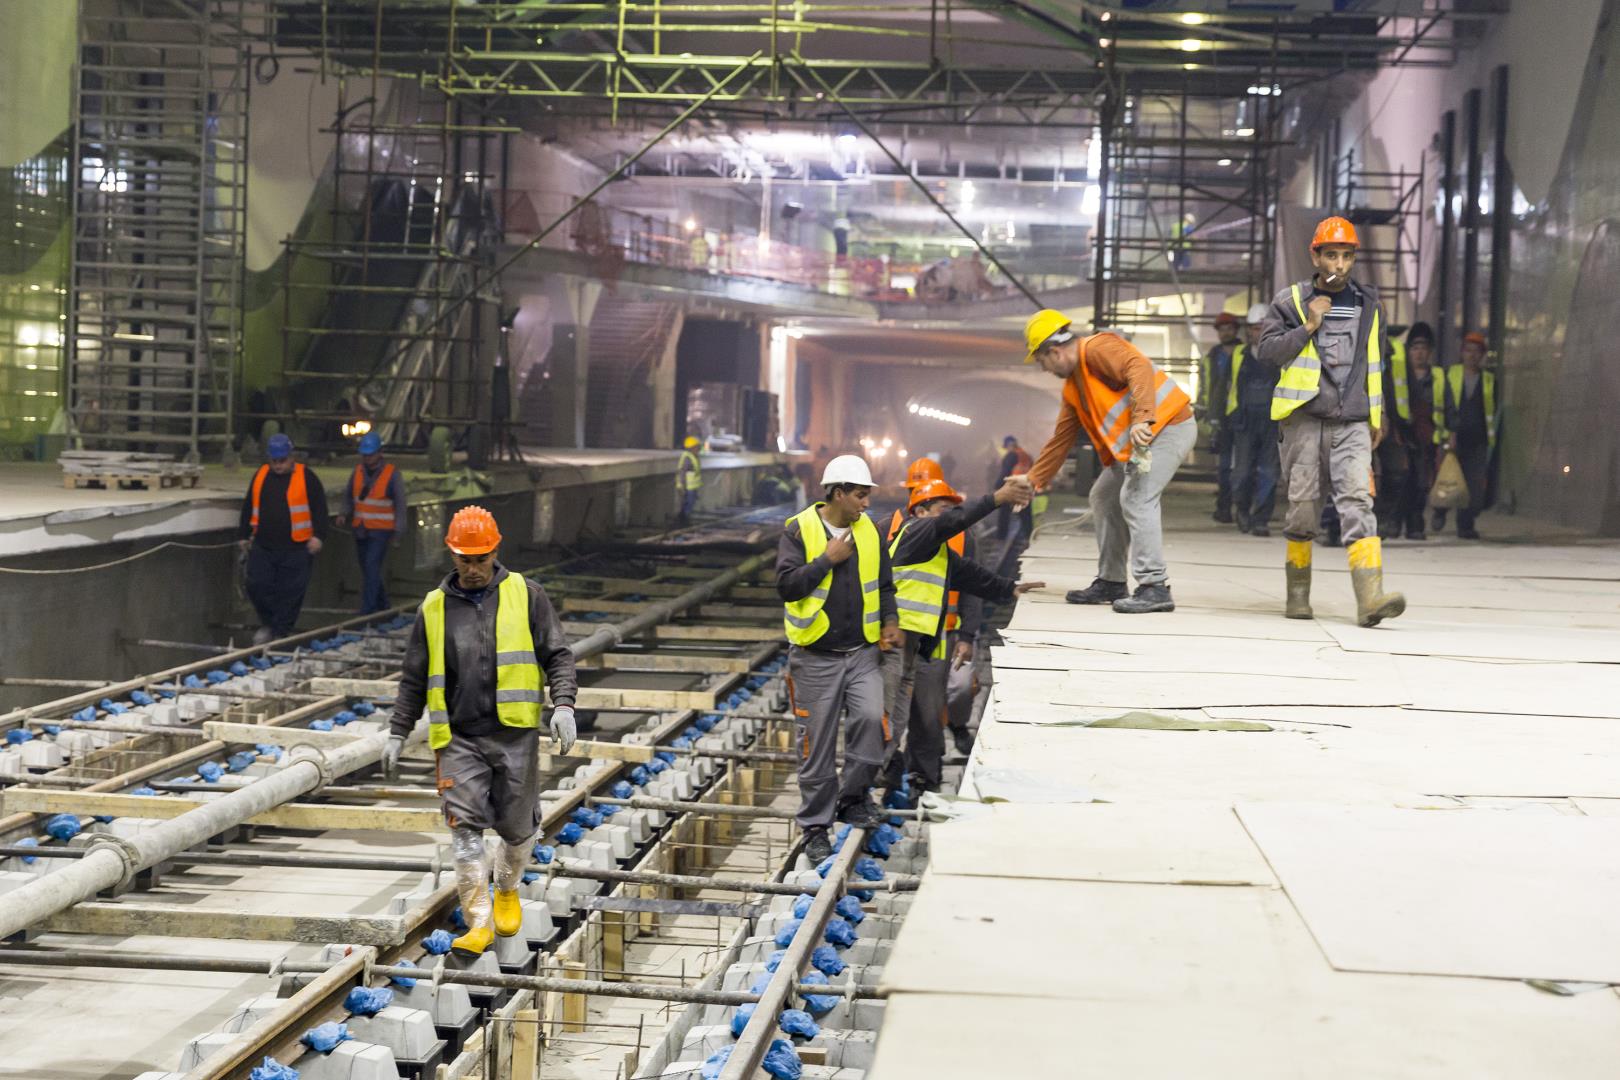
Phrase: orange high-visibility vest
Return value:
(958, 544)
(303, 526)
(375, 512)
(1106, 413)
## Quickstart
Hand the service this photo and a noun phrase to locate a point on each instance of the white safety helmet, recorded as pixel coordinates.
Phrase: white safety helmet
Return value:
(1257, 314)
(847, 469)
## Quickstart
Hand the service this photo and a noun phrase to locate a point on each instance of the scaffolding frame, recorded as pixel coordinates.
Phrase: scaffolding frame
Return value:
(1387, 209)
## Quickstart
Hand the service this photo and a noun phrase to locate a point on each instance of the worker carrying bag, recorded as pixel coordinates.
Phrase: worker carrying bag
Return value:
(1450, 491)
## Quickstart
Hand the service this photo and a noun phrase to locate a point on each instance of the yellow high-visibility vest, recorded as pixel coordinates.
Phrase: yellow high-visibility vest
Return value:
(919, 592)
(519, 683)
(1397, 374)
(1231, 384)
(689, 473)
(806, 620)
(1301, 377)
(1450, 390)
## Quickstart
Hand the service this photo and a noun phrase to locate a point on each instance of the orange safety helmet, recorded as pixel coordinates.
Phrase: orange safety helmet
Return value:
(923, 470)
(472, 532)
(1334, 230)
(931, 490)
(1476, 338)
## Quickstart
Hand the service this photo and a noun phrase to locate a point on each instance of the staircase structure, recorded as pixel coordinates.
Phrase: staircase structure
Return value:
(627, 341)
(159, 222)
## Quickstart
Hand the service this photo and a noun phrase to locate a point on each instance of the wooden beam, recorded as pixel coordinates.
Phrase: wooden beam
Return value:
(186, 920)
(685, 663)
(366, 688)
(288, 816)
(714, 632)
(278, 736)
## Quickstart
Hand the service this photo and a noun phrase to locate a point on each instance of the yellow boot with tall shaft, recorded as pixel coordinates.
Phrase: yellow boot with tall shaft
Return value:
(1297, 568)
(1373, 604)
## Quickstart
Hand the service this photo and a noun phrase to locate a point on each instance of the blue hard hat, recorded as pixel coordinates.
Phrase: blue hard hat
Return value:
(370, 443)
(1011, 440)
(280, 446)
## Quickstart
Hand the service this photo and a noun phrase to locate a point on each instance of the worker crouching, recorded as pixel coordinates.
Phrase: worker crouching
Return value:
(484, 650)
(1326, 335)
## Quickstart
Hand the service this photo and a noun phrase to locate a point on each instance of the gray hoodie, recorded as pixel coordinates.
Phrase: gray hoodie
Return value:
(1283, 337)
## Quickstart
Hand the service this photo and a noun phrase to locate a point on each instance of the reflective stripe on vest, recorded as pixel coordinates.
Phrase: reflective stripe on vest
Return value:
(1397, 375)
(689, 472)
(302, 525)
(1105, 413)
(805, 621)
(919, 592)
(519, 682)
(375, 512)
(953, 599)
(1452, 399)
(1301, 377)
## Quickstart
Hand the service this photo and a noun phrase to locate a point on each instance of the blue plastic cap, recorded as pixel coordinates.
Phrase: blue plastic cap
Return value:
(370, 443)
(279, 447)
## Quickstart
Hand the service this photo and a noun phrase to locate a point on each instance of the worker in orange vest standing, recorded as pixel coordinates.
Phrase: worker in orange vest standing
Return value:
(1140, 423)
(282, 528)
(374, 505)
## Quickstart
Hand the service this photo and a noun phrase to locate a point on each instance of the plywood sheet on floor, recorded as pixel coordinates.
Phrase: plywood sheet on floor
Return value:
(1486, 893)
(1187, 842)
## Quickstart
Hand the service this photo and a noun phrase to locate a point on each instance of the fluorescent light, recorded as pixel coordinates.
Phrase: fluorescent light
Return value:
(1091, 200)
(1191, 44)
(1193, 18)
(1225, 161)
(940, 414)
(690, 225)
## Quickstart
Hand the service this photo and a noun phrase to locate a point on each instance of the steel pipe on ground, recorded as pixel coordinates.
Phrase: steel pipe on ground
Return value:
(112, 861)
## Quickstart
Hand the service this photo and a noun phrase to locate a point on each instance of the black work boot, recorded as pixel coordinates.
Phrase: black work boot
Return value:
(1099, 591)
(816, 845)
(1148, 598)
(861, 814)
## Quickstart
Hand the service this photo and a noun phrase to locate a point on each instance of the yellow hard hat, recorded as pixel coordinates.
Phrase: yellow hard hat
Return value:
(1041, 326)
(693, 442)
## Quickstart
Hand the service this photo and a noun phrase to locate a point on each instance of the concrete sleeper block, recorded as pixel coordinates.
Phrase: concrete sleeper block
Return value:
(353, 1060)
(408, 1033)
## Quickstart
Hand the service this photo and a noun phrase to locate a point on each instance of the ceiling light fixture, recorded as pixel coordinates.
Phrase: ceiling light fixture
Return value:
(1193, 18)
(1191, 44)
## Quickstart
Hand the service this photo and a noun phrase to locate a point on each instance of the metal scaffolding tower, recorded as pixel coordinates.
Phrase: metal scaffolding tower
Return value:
(160, 137)
(1188, 204)
(1387, 209)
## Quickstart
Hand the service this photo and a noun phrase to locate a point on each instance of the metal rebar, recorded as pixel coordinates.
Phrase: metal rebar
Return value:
(111, 958)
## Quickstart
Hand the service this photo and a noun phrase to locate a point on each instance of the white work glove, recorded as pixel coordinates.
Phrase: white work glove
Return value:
(563, 728)
(390, 756)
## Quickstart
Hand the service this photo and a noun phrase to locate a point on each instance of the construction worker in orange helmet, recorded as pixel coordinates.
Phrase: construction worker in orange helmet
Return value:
(283, 525)
(922, 470)
(486, 647)
(925, 570)
(1466, 422)
(1326, 334)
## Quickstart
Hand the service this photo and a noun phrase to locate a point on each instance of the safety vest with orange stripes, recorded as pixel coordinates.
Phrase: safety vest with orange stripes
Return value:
(1105, 413)
(375, 512)
(303, 526)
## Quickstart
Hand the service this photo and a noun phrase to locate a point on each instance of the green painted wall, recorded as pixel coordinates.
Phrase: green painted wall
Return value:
(37, 43)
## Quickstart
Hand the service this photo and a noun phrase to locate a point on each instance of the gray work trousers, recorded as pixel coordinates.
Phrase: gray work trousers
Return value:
(925, 726)
(492, 782)
(899, 683)
(829, 691)
(1125, 509)
(1341, 452)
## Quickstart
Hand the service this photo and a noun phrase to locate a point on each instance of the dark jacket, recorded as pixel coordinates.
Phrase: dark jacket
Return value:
(921, 539)
(469, 659)
(1284, 337)
(275, 525)
(797, 579)
(969, 608)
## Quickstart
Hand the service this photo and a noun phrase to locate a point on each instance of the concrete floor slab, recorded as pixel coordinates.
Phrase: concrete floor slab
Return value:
(1507, 648)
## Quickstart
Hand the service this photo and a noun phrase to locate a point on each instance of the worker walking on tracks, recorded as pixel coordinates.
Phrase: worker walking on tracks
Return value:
(1326, 335)
(838, 595)
(926, 569)
(1141, 424)
(374, 505)
(486, 646)
(689, 477)
(283, 525)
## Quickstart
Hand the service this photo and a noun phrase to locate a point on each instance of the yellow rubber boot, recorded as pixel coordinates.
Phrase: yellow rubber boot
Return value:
(472, 886)
(1373, 604)
(508, 912)
(474, 941)
(1297, 568)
